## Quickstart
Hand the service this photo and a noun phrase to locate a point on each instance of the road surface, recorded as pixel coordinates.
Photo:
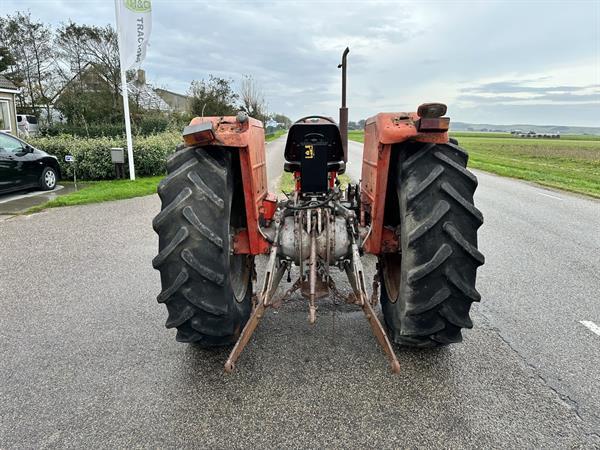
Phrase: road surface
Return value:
(85, 359)
(547, 243)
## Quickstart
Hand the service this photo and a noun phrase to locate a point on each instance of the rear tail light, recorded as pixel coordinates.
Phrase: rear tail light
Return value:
(199, 134)
(436, 124)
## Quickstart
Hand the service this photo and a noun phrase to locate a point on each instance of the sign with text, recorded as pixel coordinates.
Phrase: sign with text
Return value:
(134, 22)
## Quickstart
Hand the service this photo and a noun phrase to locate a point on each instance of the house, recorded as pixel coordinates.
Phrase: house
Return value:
(272, 124)
(92, 83)
(8, 110)
(178, 102)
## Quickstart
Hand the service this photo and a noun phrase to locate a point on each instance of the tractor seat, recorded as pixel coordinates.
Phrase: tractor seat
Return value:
(332, 166)
(314, 149)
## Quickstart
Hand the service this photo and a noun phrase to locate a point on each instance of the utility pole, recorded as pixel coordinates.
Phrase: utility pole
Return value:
(125, 95)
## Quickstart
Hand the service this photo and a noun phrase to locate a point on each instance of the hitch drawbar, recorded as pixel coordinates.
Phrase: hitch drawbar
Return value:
(315, 283)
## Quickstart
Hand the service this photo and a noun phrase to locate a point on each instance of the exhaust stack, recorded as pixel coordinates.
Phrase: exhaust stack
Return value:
(344, 109)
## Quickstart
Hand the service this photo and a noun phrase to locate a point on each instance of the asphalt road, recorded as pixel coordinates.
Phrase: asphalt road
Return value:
(275, 161)
(85, 359)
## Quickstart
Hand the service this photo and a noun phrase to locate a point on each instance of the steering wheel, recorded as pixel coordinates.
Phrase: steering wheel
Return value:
(328, 119)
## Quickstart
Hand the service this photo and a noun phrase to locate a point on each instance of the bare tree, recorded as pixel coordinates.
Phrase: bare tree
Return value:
(213, 97)
(102, 49)
(30, 43)
(6, 59)
(70, 40)
(89, 59)
(253, 99)
(9, 39)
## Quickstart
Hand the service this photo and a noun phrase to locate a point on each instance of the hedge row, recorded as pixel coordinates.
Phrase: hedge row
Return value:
(92, 155)
(92, 131)
(144, 127)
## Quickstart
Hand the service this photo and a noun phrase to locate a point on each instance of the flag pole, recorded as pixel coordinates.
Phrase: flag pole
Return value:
(125, 95)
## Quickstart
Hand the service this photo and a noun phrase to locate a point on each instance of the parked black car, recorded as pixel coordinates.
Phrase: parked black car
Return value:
(23, 166)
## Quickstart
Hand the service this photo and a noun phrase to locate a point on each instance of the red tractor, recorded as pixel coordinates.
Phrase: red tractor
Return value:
(413, 209)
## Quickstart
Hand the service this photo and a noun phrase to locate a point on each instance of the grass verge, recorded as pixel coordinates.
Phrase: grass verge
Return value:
(275, 135)
(103, 191)
(356, 135)
(571, 163)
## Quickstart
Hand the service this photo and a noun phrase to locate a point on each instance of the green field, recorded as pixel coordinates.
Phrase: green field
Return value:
(567, 137)
(571, 163)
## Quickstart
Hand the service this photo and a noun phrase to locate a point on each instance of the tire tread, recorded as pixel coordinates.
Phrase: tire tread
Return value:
(194, 237)
(438, 237)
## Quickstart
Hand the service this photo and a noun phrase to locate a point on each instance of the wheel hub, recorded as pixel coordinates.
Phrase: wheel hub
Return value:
(50, 178)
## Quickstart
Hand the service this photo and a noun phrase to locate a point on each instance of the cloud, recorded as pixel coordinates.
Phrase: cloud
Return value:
(511, 86)
(401, 53)
(542, 98)
(583, 114)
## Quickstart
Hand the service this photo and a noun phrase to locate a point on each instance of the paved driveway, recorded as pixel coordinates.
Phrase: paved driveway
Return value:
(20, 201)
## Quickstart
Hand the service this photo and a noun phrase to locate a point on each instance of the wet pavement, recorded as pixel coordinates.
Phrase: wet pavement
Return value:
(20, 201)
(85, 360)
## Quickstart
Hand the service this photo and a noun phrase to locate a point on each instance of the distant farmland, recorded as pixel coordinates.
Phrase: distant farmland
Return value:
(571, 163)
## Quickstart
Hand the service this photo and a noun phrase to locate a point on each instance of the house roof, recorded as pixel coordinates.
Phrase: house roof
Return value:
(176, 94)
(146, 97)
(7, 84)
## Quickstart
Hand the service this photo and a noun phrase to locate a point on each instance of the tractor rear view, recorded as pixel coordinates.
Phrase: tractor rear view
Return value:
(413, 209)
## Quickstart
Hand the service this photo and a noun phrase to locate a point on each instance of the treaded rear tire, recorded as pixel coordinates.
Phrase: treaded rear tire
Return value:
(438, 238)
(194, 227)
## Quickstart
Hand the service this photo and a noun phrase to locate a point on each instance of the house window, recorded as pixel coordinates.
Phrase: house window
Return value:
(4, 116)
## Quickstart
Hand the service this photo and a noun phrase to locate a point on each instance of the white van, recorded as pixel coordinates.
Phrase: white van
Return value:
(27, 125)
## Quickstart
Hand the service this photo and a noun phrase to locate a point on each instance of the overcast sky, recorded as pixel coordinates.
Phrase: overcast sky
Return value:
(499, 62)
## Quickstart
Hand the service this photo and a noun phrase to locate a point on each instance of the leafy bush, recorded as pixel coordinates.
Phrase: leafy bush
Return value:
(92, 155)
(92, 131)
(151, 124)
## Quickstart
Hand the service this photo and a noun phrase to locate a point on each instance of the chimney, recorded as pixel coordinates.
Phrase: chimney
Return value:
(141, 77)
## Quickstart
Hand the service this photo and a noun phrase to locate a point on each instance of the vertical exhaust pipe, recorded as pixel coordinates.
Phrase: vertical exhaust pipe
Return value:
(344, 109)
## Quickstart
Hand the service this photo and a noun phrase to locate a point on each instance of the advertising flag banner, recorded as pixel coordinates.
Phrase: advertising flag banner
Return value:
(134, 22)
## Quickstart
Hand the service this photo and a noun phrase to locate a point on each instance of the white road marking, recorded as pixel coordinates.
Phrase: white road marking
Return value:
(551, 196)
(10, 198)
(591, 326)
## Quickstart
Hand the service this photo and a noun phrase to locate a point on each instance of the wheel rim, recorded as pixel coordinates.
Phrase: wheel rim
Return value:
(392, 274)
(50, 178)
(239, 272)
(239, 265)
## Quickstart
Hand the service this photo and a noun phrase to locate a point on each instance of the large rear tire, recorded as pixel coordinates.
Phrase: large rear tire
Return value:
(207, 290)
(427, 290)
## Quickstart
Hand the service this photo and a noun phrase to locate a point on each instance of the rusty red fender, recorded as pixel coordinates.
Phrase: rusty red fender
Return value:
(381, 132)
(247, 135)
